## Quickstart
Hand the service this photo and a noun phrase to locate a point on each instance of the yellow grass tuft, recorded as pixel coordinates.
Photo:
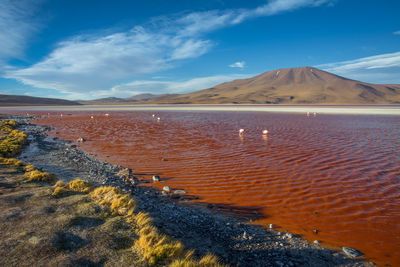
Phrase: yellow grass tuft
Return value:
(156, 248)
(59, 191)
(143, 219)
(13, 141)
(78, 185)
(208, 260)
(119, 203)
(39, 176)
(11, 161)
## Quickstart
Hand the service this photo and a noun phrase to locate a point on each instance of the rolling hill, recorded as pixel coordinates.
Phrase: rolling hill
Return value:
(117, 100)
(305, 85)
(20, 100)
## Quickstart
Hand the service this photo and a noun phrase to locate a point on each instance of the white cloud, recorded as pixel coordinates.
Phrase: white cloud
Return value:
(99, 62)
(396, 33)
(239, 64)
(17, 26)
(157, 87)
(384, 68)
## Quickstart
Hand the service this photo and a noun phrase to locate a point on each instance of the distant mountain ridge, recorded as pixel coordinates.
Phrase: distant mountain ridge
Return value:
(110, 100)
(304, 85)
(21, 100)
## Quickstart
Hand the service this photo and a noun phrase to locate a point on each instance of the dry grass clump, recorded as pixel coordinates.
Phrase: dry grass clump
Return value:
(76, 185)
(142, 220)
(11, 161)
(208, 260)
(12, 140)
(39, 176)
(112, 197)
(60, 191)
(79, 185)
(156, 247)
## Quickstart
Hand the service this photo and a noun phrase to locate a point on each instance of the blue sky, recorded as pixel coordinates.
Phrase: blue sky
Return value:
(91, 49)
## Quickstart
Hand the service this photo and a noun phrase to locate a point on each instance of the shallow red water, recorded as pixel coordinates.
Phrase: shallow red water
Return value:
(338, 174)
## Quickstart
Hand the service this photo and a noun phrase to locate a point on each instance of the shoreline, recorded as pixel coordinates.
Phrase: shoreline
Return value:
(233, 241)
(320, 109)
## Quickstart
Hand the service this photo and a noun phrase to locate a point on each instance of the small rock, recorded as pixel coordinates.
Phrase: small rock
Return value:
(34, 240)
(271, 226)
(164, 159)
(351, 252)
(167, 189)
(279, 263)
(316, 242)
(289, 235)
(81, 139)
(179, 192)
(244, 235)
(164, 194)
(315, 231)
(156, 178)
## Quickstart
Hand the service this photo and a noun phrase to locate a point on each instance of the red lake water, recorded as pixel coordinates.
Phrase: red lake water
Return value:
(338, 174)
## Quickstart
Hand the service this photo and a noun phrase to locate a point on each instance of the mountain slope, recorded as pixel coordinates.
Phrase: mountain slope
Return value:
(20, 100)
(306, 85)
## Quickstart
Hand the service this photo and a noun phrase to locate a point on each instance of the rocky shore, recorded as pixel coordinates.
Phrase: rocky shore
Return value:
(235, 242)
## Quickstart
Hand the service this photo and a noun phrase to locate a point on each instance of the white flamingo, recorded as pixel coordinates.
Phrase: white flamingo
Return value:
(91, 117)
(241, 131)
(265, 132)
(153, 115)
(158, 119)
(107, 114)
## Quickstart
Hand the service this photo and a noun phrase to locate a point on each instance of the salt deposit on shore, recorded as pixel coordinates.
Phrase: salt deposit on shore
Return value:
(319, 109)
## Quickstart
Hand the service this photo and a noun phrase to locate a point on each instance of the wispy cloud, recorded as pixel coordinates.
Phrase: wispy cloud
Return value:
(396, 33)
(239, 64)
(17, 26)
(383, 68)
(156, 87)
(99, 62)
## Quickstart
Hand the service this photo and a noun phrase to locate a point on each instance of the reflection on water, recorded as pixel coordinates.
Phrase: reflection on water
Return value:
(338, 174)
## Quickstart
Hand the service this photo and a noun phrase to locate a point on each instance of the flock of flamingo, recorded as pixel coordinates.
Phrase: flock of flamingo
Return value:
(241, 131)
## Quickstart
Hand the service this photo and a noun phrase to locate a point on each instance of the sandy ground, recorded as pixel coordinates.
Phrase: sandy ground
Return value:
(345, 109)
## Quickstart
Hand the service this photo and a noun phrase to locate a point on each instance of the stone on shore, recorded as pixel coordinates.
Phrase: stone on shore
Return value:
(351, 252)
(156, 178)
(167, 189)
(179, 191)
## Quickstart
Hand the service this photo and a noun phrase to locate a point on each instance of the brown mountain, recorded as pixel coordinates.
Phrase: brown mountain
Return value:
(21, 100)
(306, 85)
